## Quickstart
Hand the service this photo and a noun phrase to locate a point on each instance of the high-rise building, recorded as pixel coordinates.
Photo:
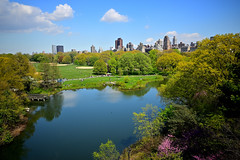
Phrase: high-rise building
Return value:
(166, 43)
(100, 50)
(158, 45)
(141, 47)
(93, 50)
(119, 43)
(60, 48)
(129, 47)
(180, 45)
(54, 49)
(159, 42)
(174, 40)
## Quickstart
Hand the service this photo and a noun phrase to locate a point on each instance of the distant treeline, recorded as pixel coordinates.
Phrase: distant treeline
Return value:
(121, 62)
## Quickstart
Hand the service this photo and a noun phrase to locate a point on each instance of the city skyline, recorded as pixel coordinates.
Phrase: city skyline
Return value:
(33, 26)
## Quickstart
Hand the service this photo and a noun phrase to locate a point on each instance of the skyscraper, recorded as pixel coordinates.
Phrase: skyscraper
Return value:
(119, 43)
(60, 48)
(174, 40)
(54, 49)
(166, 43)
(93, 50)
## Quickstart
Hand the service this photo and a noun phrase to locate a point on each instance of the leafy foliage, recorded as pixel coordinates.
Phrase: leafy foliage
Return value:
(205, 123)
(107, 151)
(168, 61)
(14, 70)
(146, 122)
(100, 67)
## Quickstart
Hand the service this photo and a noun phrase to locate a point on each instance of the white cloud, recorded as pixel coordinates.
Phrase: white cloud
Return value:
(172, 33)
(149, 40)
(62, 12)
(16, 17)
(113, 16)
(185, 37)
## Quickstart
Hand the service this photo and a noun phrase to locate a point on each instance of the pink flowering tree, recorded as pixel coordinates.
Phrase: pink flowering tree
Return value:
(167, 149)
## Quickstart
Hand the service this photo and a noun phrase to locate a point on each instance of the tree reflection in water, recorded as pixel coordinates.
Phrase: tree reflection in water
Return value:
(49, 110)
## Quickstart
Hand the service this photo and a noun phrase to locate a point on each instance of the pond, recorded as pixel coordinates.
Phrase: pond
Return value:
(72, 124)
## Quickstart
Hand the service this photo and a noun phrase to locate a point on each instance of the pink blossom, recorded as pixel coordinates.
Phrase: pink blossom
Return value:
(166, 147)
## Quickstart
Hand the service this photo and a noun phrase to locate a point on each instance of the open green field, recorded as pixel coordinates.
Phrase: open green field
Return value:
(70, 71)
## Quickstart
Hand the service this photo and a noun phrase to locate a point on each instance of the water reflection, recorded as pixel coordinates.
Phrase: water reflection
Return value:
(95, 118)
(49, 110)
(70, 98)
(112, 95)
(142, 92)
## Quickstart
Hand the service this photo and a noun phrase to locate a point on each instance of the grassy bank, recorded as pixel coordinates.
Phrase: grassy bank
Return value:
(123, 82)
(90, 81)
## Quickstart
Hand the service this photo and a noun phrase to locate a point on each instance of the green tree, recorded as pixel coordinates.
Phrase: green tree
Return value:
(80, 59)
(197, 81)
(142, 63)
(168, 61)
(112, 63)
(92, 59)
(153, 55)
(13, 72)
(105, 56)
(100, 67)
(126, 63)
(67, 59)
(146, 122)
(107, 151)
(49, 75)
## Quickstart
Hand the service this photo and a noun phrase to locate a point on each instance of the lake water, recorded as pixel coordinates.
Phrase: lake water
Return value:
(72, 124)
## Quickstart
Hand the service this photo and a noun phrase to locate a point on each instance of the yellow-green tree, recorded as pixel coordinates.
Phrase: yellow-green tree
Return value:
(107, 151)
(197, 81)
(168, 61)
(14, 70)
(67, 59)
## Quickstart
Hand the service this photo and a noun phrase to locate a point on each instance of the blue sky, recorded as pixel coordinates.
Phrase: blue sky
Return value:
(34, 25)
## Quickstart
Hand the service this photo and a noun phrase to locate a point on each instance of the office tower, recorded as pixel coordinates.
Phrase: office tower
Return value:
(54, 49)
(166, 43)
(119, 43)
(60, 48)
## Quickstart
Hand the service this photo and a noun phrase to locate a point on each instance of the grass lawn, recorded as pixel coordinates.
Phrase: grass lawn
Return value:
(70, 72)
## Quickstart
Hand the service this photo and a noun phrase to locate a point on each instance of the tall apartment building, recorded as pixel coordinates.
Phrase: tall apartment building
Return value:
(93, 50)
(166, 43)
(119, 43)
(129, 47)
